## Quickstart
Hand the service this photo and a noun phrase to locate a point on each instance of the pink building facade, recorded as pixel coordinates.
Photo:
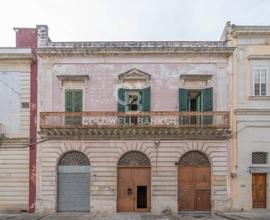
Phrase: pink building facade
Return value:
(181, 94)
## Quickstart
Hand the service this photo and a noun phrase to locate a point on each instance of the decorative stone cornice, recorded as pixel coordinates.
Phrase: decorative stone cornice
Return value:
(250, 30)
(252, 111)
(137, 133)
(258, 57)
(13, 54)
(136, 47)
(196, 77)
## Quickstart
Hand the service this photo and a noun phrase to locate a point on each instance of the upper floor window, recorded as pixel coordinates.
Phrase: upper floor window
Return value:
(73, 103)
(259, 81)
(259, 158)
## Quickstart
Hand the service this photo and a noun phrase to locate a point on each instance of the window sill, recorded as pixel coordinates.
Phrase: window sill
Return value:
(259, 98)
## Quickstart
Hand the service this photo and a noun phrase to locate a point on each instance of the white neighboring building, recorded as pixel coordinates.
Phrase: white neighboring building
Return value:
(251, 92)
(15, 70)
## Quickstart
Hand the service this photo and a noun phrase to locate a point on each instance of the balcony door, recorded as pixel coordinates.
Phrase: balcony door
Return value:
(191, 100)
(134, 102)
(73, 103)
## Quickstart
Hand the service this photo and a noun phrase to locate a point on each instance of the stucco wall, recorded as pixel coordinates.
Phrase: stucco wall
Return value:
(10, 102)
(253, 136)
(14, 89)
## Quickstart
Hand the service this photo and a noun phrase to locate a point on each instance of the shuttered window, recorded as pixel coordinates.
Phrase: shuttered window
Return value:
(207, 100)
(73, 103)
(144, 97)
(195, 100)
(145, 100)
(73, 100)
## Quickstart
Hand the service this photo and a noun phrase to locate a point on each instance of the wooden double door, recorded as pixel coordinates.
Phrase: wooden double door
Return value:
(134, 189)
(259, 190)
(194, 188)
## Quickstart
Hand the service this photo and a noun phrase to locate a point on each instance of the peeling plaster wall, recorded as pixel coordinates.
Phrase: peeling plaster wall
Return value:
(101, 88)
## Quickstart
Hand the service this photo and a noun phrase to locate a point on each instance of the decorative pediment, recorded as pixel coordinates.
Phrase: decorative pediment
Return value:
(196, 77)
(66, 77)
(195, 81)
(134, 74)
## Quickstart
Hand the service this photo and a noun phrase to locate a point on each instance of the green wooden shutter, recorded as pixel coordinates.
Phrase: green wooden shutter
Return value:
(183, 100)
(69, 101)
(78, 101)
(183, 105)
(121, 100)
(121, 104)
(146, 99)
(207, 96)
(145, 104)
(207, 99)
(73, 103)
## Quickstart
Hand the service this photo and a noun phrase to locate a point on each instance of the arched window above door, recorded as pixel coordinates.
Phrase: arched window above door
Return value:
(194, 158)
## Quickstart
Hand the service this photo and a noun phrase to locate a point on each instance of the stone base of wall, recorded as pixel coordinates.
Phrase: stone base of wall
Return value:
(103, 157)
(14, 177)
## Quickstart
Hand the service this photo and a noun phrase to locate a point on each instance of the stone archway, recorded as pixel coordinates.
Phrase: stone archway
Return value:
(194, 182)
(133, 182)
(73, 194)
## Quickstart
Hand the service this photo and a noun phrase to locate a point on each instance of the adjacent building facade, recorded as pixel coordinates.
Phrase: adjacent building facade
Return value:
(251, 118)
(15, 68)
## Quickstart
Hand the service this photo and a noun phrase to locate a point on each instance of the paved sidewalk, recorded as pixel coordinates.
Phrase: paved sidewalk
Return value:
(246, 215)
(87, 216)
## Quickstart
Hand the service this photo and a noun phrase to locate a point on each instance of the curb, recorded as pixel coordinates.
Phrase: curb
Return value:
(226, 216)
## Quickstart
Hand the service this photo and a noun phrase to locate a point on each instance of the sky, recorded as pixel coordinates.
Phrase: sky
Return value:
(127, 20)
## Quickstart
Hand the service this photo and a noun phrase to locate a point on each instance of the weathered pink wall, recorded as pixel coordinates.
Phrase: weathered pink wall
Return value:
(103, 83)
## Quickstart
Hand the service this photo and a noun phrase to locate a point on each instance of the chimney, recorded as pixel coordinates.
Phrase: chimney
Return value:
(26, 37)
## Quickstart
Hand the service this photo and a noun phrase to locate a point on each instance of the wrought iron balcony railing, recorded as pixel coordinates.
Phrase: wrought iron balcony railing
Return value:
(158, 119)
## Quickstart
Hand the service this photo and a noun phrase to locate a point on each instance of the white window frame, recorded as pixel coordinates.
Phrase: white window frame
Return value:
(253, 80)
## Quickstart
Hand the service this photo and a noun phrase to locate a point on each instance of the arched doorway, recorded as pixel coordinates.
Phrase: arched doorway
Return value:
(194, 182)
(134, 183)
(73, 194)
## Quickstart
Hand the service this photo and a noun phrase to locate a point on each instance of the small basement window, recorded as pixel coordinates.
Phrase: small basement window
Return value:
(259, 158)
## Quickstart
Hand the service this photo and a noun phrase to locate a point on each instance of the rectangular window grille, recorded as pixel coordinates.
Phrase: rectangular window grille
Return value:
(259, 81)
(259, 158)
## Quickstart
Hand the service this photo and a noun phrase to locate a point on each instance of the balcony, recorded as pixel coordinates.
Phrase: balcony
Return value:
(136, 125)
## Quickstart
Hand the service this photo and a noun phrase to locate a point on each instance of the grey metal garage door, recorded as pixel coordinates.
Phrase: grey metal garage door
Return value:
(73, 194)
(74, 188)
